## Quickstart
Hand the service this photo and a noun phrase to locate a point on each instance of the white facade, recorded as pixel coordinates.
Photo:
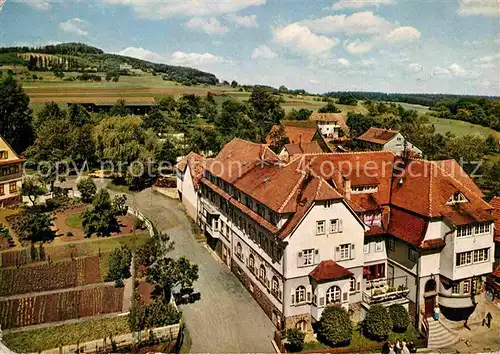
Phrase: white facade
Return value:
(329, 129)
(187, 192)
(398, 144)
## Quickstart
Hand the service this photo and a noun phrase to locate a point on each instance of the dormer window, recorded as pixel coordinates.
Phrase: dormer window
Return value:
(456, 198)
(364, 189)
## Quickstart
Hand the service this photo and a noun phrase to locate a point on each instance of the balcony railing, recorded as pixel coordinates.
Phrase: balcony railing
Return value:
(382, 290)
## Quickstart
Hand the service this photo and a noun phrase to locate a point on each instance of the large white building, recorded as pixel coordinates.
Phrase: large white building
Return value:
(350, 229)
(387, 140)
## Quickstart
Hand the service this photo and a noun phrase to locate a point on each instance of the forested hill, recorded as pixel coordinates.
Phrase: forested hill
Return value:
(81, 56)
(424, 99)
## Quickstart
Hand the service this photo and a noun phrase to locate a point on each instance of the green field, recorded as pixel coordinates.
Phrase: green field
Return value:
(460, 128)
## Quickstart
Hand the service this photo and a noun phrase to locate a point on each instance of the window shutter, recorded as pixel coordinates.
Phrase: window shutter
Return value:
(352, 251)
(293, 298)
(308, 296)
(299, 259)
(359, 285)
(321, 301)
(279, 294)
(345, 295)
(308, 293)
(340, 227)
(316, 256)
(337, 253)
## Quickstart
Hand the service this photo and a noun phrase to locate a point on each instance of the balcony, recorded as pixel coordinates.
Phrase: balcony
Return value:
(455, 301)
(383, 290)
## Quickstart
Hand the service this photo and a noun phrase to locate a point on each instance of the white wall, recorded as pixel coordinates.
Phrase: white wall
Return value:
(189, 196)
(304, 237)
(397, 145)
(374, 256)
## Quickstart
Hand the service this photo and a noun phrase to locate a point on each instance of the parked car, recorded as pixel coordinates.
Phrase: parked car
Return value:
(493, 285)
(102, 174)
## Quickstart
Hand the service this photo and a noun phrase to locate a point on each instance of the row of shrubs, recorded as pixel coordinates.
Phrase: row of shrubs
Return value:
(335, 327)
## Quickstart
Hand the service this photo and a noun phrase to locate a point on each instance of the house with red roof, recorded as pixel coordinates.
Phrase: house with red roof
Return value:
(330, 125)
(189, 172)
(387, 140)
(348, 229)
(10, 174)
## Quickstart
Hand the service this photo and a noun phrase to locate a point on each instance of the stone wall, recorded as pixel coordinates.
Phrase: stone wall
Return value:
(261, 297)
(291, 321)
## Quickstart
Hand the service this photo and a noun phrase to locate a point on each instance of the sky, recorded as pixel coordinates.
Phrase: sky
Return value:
(417, 46)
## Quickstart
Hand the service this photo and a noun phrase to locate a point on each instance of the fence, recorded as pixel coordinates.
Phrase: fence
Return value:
(140, 216)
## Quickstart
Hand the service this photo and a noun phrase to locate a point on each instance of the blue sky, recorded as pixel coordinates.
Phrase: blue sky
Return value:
(448, 46)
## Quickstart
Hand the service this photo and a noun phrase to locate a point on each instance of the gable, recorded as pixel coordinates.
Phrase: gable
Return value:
(7, 153)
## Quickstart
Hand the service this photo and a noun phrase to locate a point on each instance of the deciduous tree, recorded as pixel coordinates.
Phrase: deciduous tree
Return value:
(87, 189)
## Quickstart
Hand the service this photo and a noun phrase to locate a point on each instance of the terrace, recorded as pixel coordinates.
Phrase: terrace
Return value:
(383, 290)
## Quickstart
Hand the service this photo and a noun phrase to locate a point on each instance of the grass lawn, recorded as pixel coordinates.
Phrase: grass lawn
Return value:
(53, 337)
(119, 188)
(74, 220)
(460, 128)
(359, 340)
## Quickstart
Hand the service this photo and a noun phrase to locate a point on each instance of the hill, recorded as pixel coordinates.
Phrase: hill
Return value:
(79, 57)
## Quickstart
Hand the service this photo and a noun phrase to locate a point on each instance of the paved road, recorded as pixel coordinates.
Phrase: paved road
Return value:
(227, 318)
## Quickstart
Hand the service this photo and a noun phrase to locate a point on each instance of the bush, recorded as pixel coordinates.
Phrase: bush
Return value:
(157, 314)
(377, 324)
(87, 189)
(119, 263)
(295, 338)
(335, 326)
(119, 283)
(400, 317)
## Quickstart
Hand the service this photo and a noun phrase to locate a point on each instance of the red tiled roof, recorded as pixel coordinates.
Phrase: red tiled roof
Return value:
(295, 134)
(339, 118)
(452, 168)
(434, 243)
(196, 165)
(423, 187)
(495, 203)
(378, 135)
(407, 227)
(303, 148)
(329, 270)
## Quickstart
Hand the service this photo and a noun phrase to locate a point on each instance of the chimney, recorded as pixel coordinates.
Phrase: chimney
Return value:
(347, 189)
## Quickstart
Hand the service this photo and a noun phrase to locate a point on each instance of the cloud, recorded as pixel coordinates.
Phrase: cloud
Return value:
(196, 59)
(357, 4)
(415, 67)
(141, 53)
(75, 26)
(207, 25)
(263, 52)
(403, 34)
(368, 62)
(488, 61)
(365, 22)
(300, 38)
(344, 62)
(313, 81)
(243, 21)
(479, 8)
(358, 47)
(454, 70)
(159, 10)
(39, 5)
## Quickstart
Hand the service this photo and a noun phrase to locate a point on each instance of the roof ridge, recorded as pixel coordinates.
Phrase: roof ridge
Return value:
(430, 194)
(352, 152)
(294, 189)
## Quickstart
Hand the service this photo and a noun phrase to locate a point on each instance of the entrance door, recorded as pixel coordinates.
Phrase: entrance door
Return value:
(430, 302)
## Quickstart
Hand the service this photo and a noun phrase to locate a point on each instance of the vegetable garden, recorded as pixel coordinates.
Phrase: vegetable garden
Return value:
(60, 306)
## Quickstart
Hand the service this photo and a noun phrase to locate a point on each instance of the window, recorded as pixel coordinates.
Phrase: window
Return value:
(320, 227)
(12, 187)
(274, 285)
(482, 228)
(456, 288)
(464, 231)
(466, 287)
(2, 191)
(308, 257)
(4, 155)
(333, 295)
(412, 255)
(366, 248)
(345, 252)
(470, 257)
(300, 294)
(334, 226)
(391, 243)
(251, 262)
(375, 271)
(352, 285)
(328, 204)
(301, 325)
(238, 249)
(379, 246)
(457, 197)
(262, 272)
